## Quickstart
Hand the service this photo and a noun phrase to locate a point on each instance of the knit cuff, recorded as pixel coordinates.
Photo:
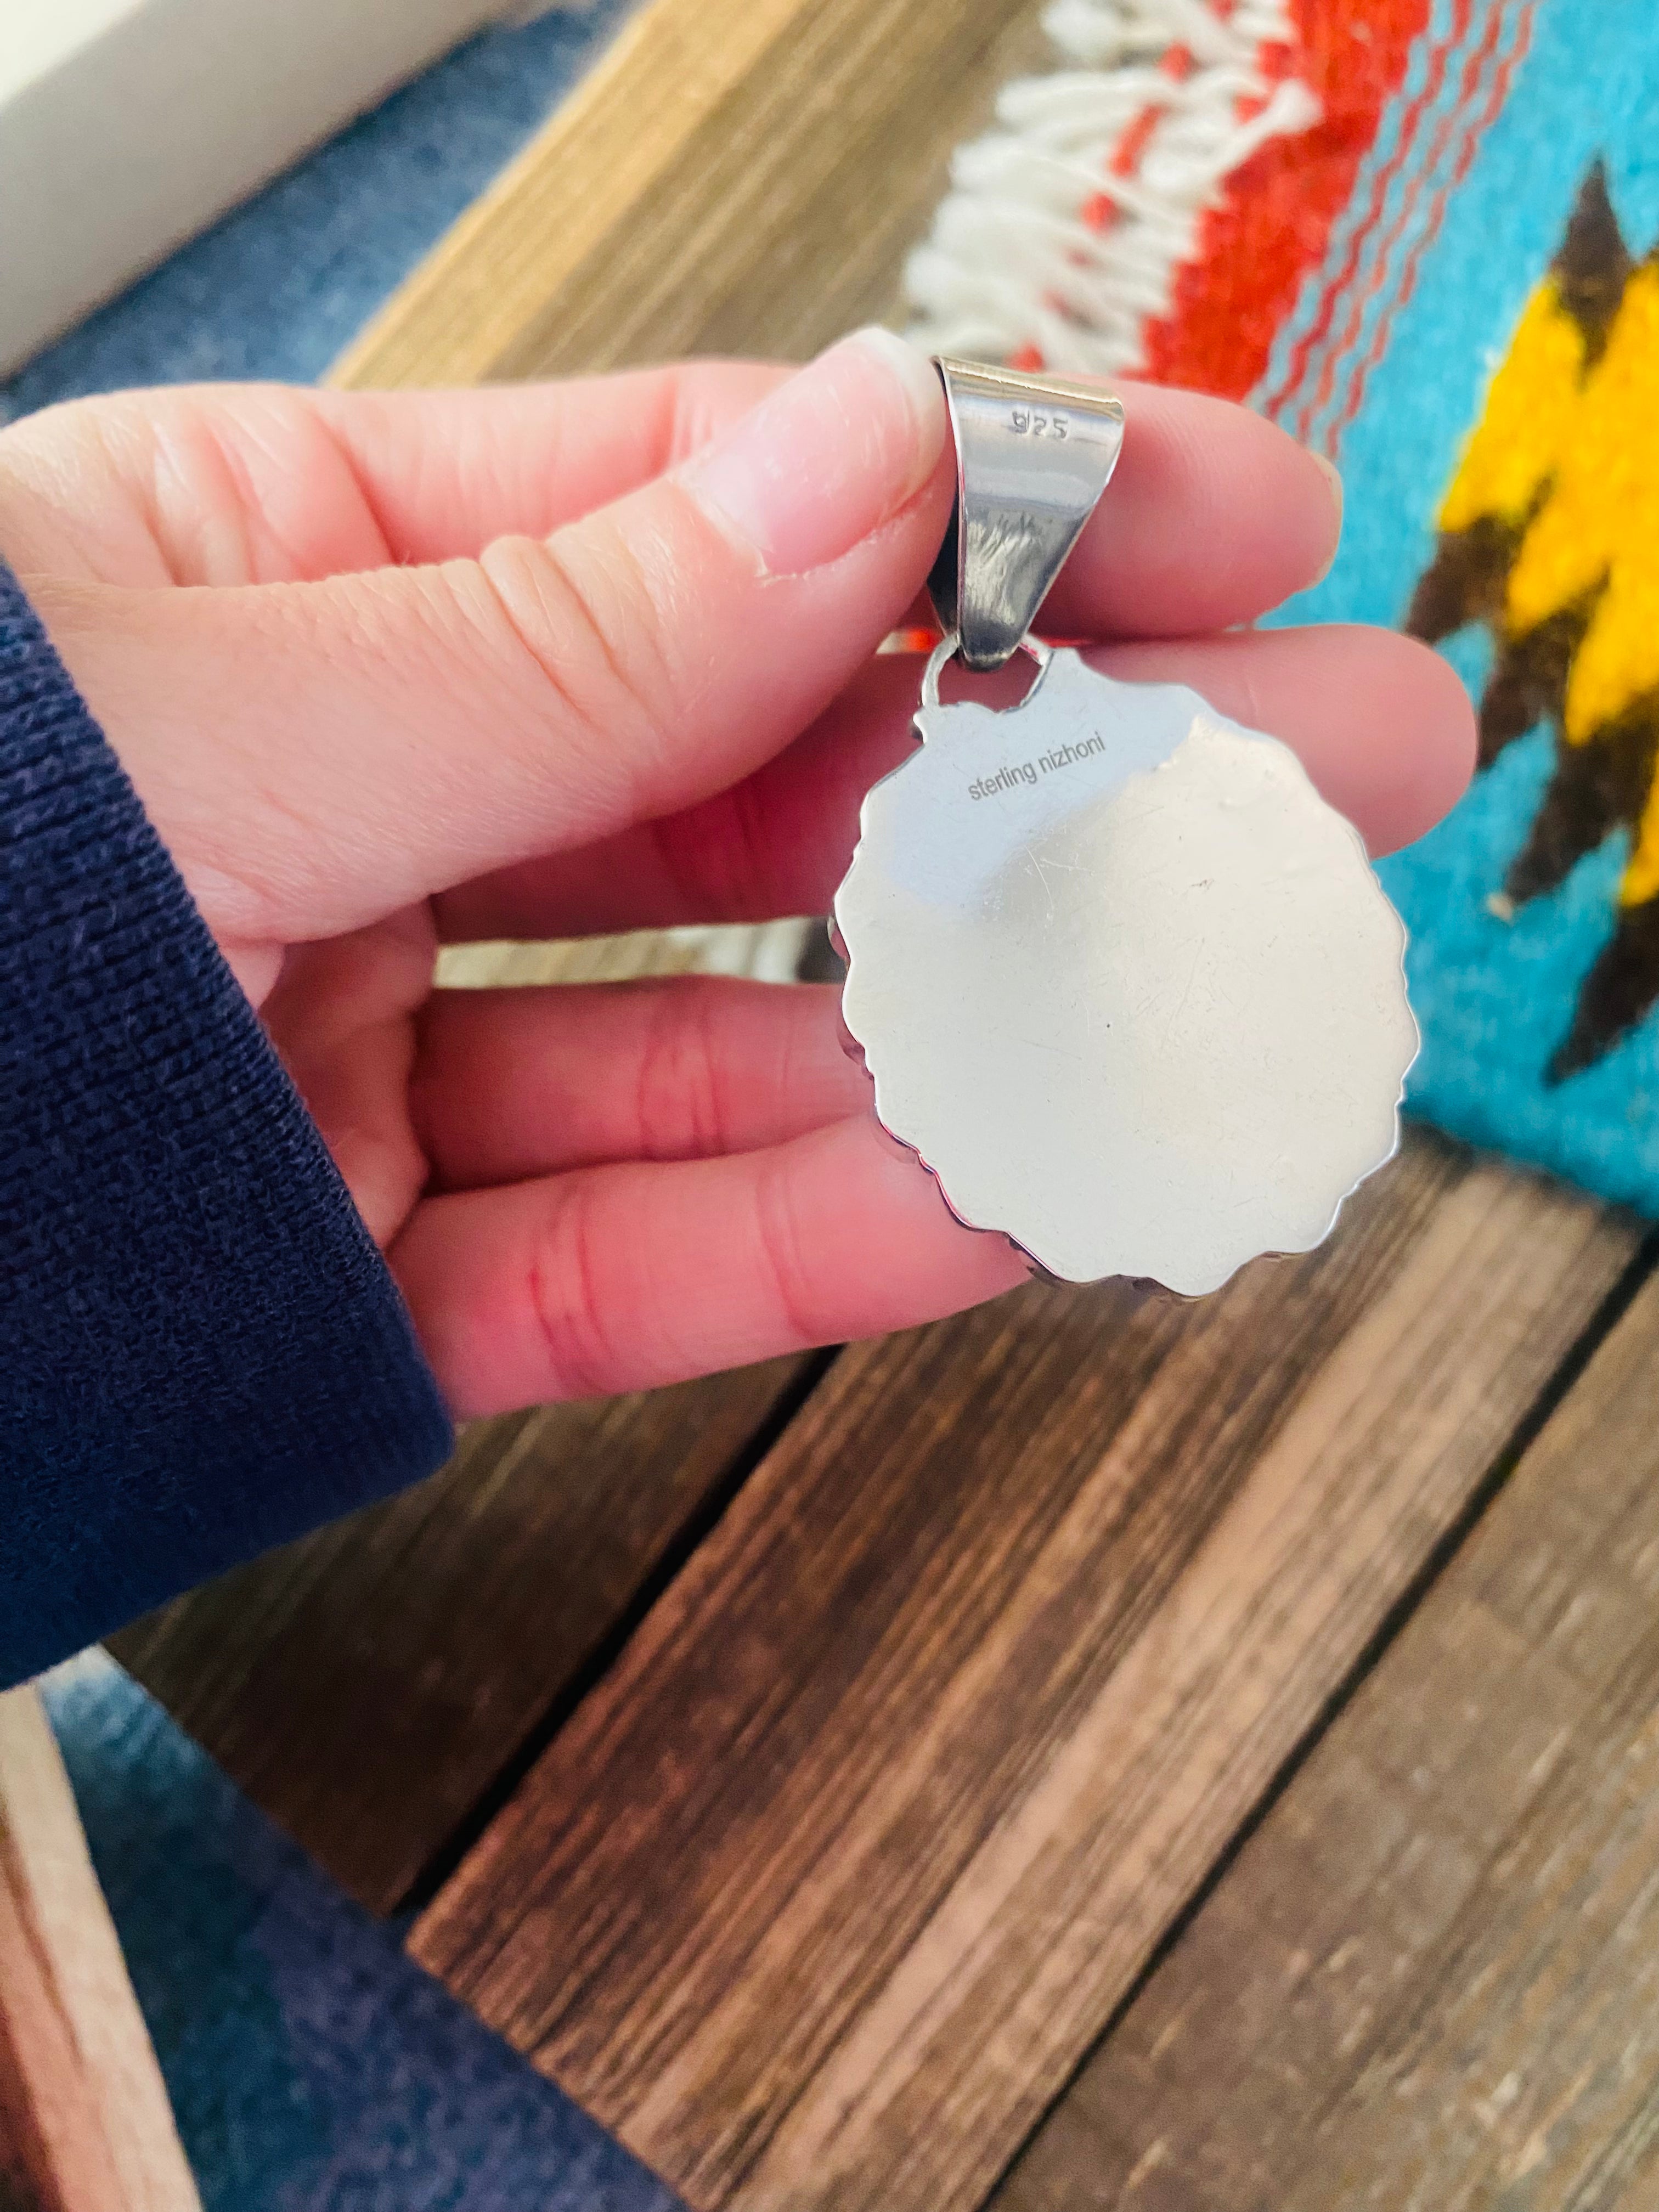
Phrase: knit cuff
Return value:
(201, 1352)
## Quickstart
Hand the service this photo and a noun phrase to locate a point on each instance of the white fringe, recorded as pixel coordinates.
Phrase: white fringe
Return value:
(1010, 263)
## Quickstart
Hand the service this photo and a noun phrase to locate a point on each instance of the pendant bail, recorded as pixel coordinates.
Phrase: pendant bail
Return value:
(1034, 454)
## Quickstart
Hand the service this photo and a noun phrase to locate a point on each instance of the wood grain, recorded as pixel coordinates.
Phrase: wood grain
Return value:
(85, 2126)
(735, 176)
(820, 1895)
(1431, 1977)
(770, 951)
(366, 1684)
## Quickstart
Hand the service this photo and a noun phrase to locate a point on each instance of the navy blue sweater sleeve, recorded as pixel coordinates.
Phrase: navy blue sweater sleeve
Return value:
(201, 1353)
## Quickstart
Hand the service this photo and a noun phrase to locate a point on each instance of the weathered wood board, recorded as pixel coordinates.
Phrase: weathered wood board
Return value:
(85, 2126)
(735, 176)
(1430, 1979)
(368, 1685)
(820, 1896)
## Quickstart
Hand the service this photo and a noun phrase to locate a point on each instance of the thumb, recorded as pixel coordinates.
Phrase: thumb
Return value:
(317, 755)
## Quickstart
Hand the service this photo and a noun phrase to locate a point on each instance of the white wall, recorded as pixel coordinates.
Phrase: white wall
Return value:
(127, 124)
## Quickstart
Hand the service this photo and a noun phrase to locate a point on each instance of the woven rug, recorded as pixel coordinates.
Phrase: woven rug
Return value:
(1421, 234)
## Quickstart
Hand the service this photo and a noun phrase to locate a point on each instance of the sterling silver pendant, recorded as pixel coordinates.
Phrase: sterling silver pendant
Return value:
(1124, 981)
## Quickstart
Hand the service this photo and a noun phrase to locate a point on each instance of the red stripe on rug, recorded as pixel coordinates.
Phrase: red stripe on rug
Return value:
(1453, 120)
(1275, 222)
(1337, 288)
(1475, 129)
(1100, 210)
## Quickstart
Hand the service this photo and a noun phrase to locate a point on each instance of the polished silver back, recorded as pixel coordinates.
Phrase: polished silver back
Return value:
(1125, 982)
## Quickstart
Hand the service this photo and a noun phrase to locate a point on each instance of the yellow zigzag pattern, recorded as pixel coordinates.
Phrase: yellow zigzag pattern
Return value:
(1572, 459)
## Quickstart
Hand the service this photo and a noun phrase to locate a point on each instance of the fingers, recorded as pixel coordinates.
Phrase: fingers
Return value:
(1382, 723)
(620, 1277)
(445, 472)
(316, 754)
(247, 483)
(513, 1083)
(1213, 516)
(343, 1017)
(449, 471)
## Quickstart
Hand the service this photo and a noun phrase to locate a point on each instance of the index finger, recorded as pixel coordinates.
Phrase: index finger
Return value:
(352, 744)
(1213, 516)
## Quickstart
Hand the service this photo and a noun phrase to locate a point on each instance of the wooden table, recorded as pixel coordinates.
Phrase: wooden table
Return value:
(1093, 1752)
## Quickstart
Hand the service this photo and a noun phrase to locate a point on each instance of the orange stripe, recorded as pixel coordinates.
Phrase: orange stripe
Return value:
(1275, 220)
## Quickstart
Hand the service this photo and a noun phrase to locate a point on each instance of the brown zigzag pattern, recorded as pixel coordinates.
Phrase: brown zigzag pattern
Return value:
(1514, 552)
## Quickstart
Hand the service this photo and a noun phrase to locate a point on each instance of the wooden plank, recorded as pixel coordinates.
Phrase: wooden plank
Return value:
(1431, 1977)
(85, 2126)
(738, 176)
(770, 951)
(366, 1684)
(820, 1895)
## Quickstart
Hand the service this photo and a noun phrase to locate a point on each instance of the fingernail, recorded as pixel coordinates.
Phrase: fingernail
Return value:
(1333, 476)
(826, 458)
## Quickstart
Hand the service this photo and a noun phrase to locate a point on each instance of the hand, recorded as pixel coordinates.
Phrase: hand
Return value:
(390, 671)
